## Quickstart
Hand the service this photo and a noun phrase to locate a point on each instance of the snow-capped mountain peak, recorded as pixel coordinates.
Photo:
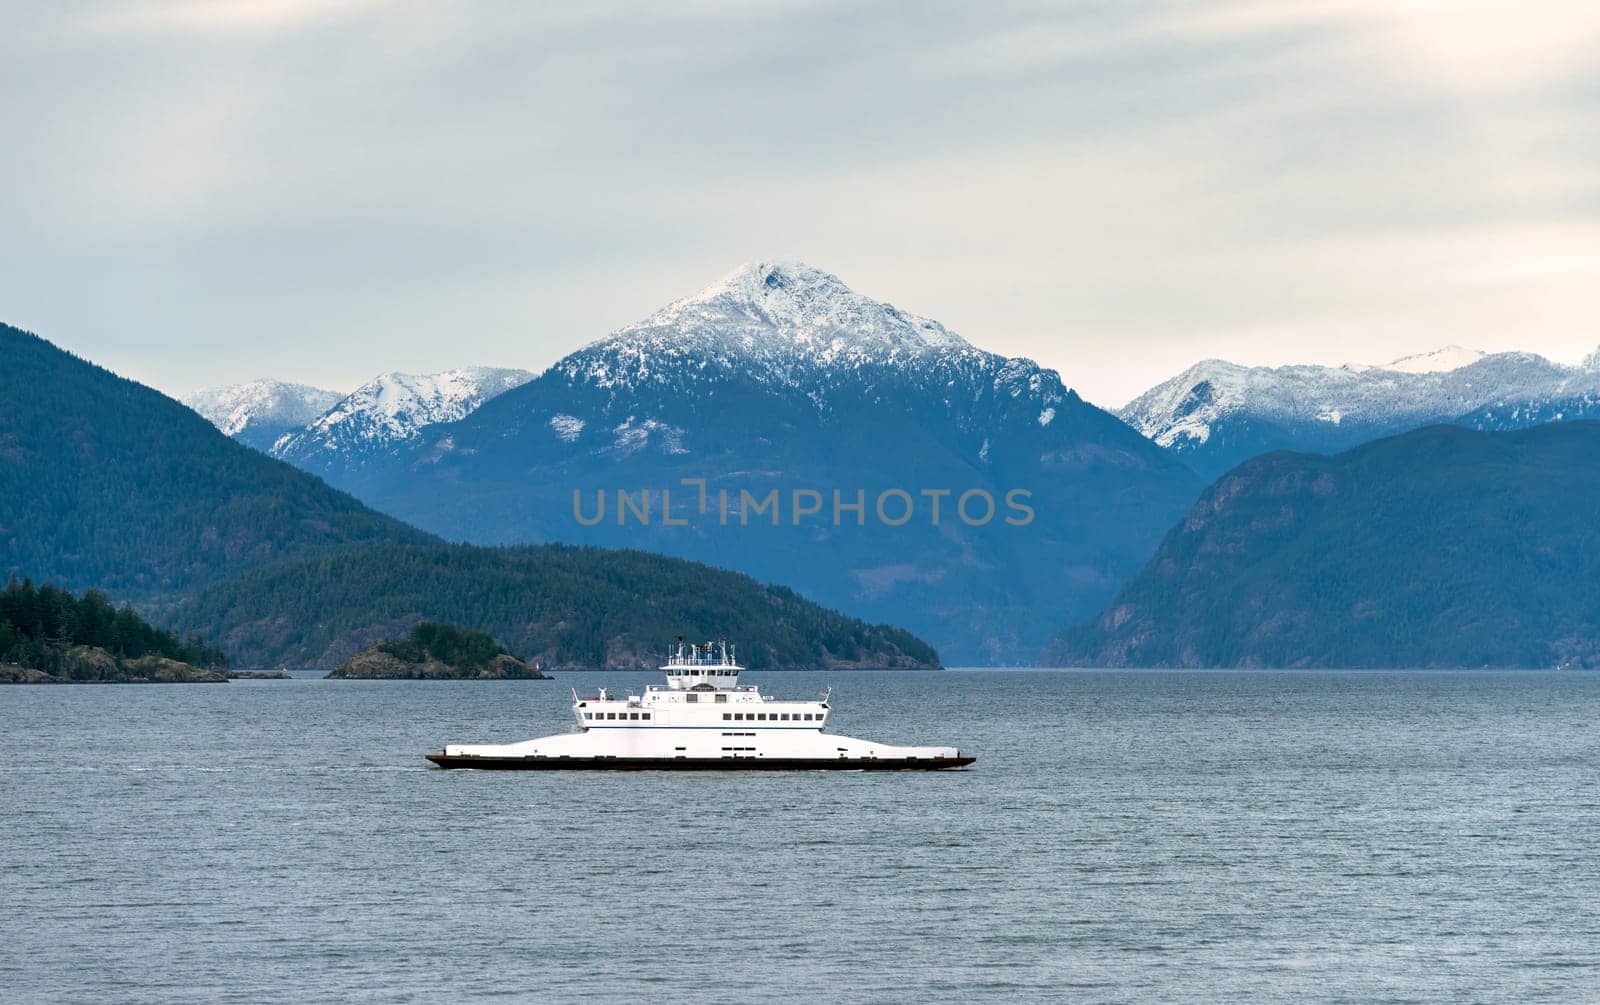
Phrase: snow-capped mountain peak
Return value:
(259, 411)
(233, 407)
(1451, 357)
(780, 323)
(394, 407)
(804, 305)
(1218, 413)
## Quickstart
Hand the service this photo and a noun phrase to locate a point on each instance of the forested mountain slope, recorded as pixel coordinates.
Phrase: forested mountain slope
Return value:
(106, 483)
(565, 607)
(1443, 547)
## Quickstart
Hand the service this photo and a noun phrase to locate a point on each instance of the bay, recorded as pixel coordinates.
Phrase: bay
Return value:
(1128, 836)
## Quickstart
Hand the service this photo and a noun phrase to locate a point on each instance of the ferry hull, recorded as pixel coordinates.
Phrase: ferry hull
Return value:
(490, 763)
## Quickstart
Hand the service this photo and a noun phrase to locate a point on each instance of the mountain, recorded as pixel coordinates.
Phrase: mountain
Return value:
(1504, 415)
(780, 379)
(106, 483)
(1442, 547)
(1216, 413)
(380, 416)
(1451, 357)
(259, 412)
(565, 607)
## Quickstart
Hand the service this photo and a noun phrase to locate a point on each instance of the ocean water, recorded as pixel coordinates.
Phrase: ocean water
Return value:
(1349, 837)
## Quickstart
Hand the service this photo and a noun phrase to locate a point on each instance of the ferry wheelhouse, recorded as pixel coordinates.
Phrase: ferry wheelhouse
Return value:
(701, 718)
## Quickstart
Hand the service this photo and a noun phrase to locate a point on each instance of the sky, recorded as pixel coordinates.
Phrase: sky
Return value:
(200, 193)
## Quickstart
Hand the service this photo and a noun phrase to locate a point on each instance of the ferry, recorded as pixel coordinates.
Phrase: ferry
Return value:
(701, 719)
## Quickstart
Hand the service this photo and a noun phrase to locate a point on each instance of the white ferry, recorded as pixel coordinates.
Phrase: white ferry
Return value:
(701, 720)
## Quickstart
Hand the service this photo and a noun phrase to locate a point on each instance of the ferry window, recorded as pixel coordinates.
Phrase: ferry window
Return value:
(739, 716)
(726, 716)
(691, 697)
(611, 715)
(634, 716)
(784, 717)
(722, 698)
(646, 716)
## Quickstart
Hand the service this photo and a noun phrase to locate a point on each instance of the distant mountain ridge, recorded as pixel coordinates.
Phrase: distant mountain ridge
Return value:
(1442, 547)
(258, 412)
(316, 429)
(1216, 413)
(779, 377)
(1451, 357)
(391, 409)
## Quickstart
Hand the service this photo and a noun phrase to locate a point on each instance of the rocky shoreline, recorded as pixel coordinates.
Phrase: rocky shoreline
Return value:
(436, 652)
(90, 665)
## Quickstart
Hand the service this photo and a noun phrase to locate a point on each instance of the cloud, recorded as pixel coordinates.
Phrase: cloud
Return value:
(334, 189)
(202, 17)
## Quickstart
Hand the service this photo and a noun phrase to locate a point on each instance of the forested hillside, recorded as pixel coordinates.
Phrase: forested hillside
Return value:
(109, 484)
(1442, 547)
(84, 638)
(567, 607)
(436, 652)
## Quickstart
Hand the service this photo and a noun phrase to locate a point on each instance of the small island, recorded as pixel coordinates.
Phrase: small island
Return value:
(436, 651)
(49, 636)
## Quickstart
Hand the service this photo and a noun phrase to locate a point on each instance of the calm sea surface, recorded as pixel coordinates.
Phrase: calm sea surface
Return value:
(1357, 837)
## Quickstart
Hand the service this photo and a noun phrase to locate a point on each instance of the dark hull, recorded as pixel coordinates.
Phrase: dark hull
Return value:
(698, 764)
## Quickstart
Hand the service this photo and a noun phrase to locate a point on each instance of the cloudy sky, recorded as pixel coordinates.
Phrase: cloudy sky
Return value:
(198, 193)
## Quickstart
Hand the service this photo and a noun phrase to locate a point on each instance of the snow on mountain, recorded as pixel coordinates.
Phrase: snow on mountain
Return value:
(780, 379)
(775, 315)
(393, 408)
(793, 328)
(260, 411)
(1451, 357)
(1218, 413)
